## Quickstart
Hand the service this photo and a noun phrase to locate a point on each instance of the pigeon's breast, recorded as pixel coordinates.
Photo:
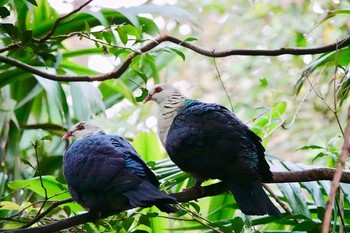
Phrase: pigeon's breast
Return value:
(168, 111)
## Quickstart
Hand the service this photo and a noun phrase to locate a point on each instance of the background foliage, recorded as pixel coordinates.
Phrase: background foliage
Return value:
(296, 103)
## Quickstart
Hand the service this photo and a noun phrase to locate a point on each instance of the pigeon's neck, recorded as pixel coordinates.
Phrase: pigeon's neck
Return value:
(168, 110)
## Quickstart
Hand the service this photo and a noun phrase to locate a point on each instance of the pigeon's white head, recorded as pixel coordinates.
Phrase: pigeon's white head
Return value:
(82, 130)
(161, 92)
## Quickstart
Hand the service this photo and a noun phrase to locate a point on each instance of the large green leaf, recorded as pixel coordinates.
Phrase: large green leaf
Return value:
(50, 186)
(147, 145)
(72, 67)
(292, 193)
(221, 207)
(42, 13)
(56, 101)
(339, 58)
(87, 100)
(116, 87)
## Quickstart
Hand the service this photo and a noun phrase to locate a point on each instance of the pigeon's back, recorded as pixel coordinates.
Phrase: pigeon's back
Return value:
(105, 172)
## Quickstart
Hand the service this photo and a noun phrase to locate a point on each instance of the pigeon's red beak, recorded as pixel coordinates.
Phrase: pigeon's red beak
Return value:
(67, 135)
(148, 98)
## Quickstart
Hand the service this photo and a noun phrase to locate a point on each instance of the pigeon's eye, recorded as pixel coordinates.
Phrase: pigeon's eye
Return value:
(80, 127)
(158, 89)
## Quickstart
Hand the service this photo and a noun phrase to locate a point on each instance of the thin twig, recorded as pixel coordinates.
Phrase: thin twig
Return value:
(337, 176)
(156, 42)
(48, 210)
(35, 145)
(50, 33)
(222, 83)
(60, 19)
(274, 129)
(10, 219)
(197, 218)
(36, 202)
(335, 93)
(284, 206)
(303, 100)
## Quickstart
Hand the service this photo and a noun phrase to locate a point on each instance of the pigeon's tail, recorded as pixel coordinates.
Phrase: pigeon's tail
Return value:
(147, 195)
(252, 199)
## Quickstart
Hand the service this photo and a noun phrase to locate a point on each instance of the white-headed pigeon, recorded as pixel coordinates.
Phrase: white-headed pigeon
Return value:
(210, 142)
(105, 173)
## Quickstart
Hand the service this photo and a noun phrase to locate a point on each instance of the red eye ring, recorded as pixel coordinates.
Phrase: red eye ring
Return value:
(80, 127)
(158, 89)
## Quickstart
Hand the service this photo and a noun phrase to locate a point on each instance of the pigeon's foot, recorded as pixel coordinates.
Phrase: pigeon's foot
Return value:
(196, 187)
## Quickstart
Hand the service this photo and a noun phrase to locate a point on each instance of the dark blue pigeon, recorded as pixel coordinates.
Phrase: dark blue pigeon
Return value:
(105, 173)
(210, 142)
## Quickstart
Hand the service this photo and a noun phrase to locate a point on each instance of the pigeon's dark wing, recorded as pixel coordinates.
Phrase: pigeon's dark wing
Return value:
(209, 141)
(105, 171)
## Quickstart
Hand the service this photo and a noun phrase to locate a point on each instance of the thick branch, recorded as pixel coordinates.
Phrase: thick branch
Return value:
(279, 177)
(196, 193)
(210, 53)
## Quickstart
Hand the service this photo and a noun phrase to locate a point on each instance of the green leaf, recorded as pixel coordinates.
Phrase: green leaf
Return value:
(279, 109)
(263, 82)
(87, 27)
(313, 147)
(46, 138)
(237, 224)
(306, 226)
(77, 68)
(27, 36)
(8, 205)
(87, 100)
(300, 40)
(340, 57)
(55, 190)
(117, 86)
(178, 52)
(142, 96)
(190, 39)
(220, 207)
(149, 26)
(4, 12)
(131, 30)
(10, 29)
(147, 145)
(67, 210)
(320, 213)
(122, 35)
(108, 36)
(32, 2)
(141, 75)
(127, 223)
(26, 162)
(56, 101)
(331, 14)
(144, 220)
(195, 206)
(343, 91)
(30, 96)
(292, 192)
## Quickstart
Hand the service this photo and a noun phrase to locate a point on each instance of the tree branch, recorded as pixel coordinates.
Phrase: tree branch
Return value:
(60, 19)
(337, 177)
(153, 44)
(189, 195)
(50, 33)
(48, 210)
